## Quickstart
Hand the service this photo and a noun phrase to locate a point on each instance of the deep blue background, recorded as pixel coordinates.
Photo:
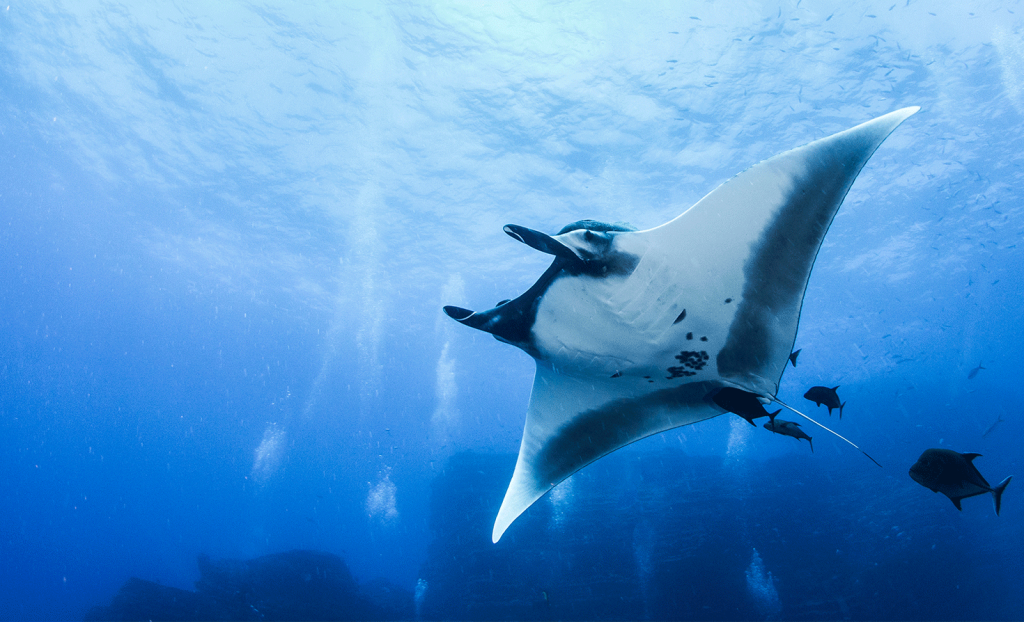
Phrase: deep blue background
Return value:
(226, 236)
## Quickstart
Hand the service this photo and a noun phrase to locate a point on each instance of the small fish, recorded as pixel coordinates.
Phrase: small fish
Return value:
(742, 403)
(826, 396)
(954, 475)
(792, 357)
(974, 372)
(789, 428)
(992, 427)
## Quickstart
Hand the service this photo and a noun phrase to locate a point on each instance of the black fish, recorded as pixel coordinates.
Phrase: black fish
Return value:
(954, 475)
(788, 428)
(826, 396)
(742, 403)
(998, 420)
(792, 357)
(974, 372)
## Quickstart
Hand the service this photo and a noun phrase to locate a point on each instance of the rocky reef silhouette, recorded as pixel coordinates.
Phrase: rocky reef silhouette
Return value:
(295, 585)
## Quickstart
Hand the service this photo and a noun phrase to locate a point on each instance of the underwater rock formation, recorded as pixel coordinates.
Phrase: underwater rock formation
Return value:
(297, 585)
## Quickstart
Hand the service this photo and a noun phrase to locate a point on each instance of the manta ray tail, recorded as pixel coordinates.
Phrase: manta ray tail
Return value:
(851, 443)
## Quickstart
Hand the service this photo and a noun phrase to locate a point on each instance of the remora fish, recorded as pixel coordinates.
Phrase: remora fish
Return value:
(954, 475)
(635, 332)
(789, 428)
(742, 403)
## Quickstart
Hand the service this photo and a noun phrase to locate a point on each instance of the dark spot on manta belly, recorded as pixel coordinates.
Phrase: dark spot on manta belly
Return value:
(682, 316)
(728, 300)
(679, 372)
(696, 360)
(703, 338)
(617, 374)
(689, 335)
(692, 362)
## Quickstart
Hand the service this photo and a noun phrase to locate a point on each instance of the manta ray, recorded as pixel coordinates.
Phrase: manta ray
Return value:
(638, 332)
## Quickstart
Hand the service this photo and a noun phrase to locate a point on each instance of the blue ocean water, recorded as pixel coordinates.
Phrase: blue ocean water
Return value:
(227, 234)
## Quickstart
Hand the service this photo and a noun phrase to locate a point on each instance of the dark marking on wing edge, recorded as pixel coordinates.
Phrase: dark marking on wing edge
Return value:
(780, 262)
(682, 316)
(596, 433)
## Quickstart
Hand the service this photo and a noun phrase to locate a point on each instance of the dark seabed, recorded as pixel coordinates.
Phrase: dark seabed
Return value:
(228, 390)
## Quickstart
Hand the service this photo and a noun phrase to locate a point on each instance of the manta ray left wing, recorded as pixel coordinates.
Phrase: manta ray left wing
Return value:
(637, 332)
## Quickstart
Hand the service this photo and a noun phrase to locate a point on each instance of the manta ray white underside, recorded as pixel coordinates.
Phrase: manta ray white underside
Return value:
(638, 332)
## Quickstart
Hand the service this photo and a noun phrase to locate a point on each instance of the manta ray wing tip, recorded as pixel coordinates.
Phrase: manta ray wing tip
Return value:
(880, 127)
(900, 115)
(502, 523)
